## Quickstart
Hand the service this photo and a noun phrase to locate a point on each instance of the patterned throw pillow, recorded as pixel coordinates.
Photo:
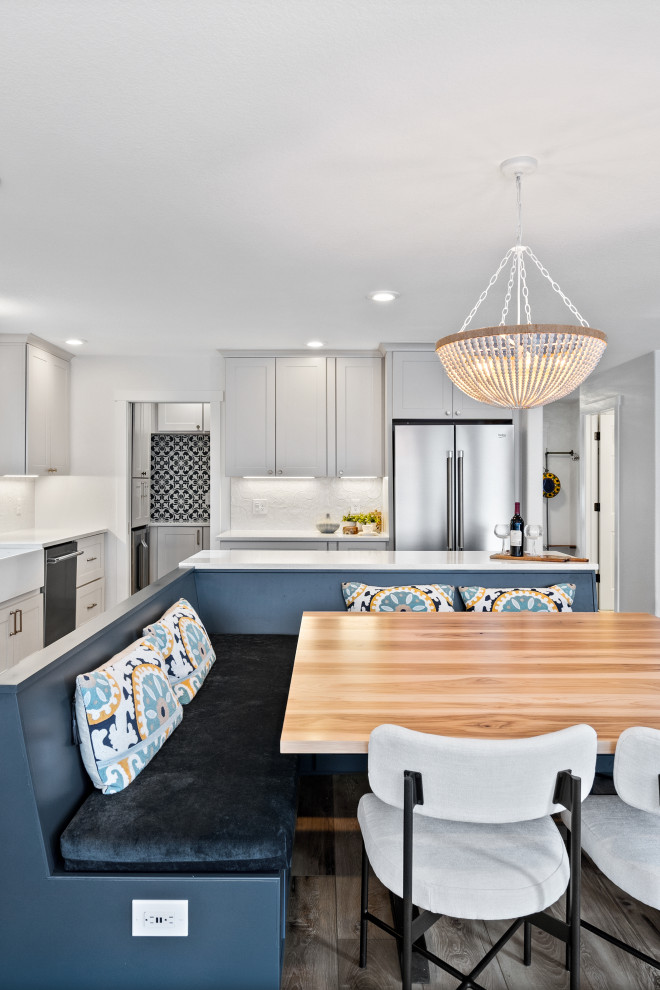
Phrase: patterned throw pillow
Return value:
(186, 648)
(557, 598)
(125, 711)
(402, 598)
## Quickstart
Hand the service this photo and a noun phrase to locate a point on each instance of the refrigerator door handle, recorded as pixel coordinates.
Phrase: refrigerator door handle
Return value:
(459, 498)
(450, 499)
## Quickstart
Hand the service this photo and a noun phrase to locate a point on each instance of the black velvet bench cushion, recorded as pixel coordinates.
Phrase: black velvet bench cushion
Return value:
(218, 797)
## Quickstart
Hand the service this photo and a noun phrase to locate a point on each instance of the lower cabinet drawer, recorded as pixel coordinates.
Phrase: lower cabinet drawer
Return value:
(90, 563)
(90, 601)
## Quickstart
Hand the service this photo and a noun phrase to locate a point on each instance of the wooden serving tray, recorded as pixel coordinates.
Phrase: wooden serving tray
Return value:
(557, 558)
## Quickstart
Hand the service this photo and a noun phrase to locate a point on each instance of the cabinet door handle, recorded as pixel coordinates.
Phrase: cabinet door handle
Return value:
(13, 614)
(90, 559)
(197, 537)
(279, 471)
(19, 613)
(93, 605)
(52, 470)
(198, 427)
(270, 470)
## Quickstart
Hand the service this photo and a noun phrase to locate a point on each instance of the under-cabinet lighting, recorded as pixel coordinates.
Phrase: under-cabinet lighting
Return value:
(316, 343)
(75, 342)
(359, 477)
(272, 477)
(20, 476)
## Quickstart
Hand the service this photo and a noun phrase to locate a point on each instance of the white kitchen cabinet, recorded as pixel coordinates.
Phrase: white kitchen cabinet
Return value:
(175, 543)
(34, 407)
(250, 416)
(258, 544)
(183, 417)
(90, 601)
(140, 502)
(47, 412)
(91, 563)
(421, 389)
(144, 424)
(359, 416)
(21, 628)
(300, 417)
(276, 422)
(90, 576)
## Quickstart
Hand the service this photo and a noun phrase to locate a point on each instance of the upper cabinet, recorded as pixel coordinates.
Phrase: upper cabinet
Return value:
(301, 444)
(34, 409)
(183, 417)
(421, 389)
(303, 416)
(359, 416)
(276, 416)
(144, 424)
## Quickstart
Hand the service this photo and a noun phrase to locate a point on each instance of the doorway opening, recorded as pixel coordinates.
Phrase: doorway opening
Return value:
(169, 486)
(600, 505)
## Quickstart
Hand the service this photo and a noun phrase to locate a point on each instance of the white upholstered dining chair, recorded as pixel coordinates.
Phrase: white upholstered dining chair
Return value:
(621, 832)
(463, 827)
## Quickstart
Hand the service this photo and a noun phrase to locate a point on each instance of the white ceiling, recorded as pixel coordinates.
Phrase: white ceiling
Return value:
(240, 173)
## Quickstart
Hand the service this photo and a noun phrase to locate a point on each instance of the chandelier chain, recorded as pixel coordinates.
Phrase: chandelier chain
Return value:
(546, 274)
(483, 295)
(523, 279)
(509, 290)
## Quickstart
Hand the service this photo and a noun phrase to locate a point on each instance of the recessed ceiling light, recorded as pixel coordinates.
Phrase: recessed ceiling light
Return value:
(383, 296)
(75, 342)
(316, 343)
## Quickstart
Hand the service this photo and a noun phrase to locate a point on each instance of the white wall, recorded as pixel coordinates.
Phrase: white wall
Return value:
(95, 495)
(634, 387)
(16, 504)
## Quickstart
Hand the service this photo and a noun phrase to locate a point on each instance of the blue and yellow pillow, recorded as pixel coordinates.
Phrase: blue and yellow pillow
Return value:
(125, 711)
(186, 648)
(556, 598)
(401, 598)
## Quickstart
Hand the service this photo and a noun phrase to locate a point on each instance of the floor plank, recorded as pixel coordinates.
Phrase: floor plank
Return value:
(348, 789)
(310, 956)
(322, 944)
(314, 845)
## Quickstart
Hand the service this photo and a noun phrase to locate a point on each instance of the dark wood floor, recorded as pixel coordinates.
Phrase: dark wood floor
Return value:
(323, 931)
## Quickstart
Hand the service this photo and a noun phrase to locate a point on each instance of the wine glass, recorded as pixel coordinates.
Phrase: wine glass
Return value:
(502, 532)
(533, 531)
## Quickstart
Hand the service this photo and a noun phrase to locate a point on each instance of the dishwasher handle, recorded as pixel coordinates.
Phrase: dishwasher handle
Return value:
(65, 556)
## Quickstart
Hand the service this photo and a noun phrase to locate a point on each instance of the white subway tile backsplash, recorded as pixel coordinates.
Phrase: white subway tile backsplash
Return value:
(299, 503)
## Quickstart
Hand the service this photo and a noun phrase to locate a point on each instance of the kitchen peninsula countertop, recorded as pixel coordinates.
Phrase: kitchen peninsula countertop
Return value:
(293, 535)
(47, 537)
(376, 560)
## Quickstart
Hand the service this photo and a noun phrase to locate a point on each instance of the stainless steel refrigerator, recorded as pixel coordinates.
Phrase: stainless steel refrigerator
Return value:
(452, 483)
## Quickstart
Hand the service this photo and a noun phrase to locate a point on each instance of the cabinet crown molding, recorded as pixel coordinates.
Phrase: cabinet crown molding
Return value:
(30, 338)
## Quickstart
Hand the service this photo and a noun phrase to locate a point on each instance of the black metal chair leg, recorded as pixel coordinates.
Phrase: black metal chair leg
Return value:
(527, 944)
(364, 907)
(406, 965)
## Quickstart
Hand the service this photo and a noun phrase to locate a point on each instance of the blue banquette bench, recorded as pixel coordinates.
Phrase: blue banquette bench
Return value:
(209, 821)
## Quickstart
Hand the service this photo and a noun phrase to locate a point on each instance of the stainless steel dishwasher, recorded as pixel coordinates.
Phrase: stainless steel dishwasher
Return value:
(60, 590)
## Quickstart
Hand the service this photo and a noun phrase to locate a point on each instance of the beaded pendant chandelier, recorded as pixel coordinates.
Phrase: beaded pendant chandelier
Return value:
(526, 364)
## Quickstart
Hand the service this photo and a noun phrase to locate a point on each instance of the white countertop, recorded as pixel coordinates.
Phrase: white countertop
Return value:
(44, 537)
(294, 535)
(376, 560)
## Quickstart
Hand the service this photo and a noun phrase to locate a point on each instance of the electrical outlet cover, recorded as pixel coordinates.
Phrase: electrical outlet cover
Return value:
(160, 918)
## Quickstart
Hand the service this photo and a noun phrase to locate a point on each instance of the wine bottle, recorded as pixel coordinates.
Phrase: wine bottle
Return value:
(516, 528)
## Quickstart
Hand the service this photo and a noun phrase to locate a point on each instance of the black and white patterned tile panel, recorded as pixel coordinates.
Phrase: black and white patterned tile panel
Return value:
(180, 477)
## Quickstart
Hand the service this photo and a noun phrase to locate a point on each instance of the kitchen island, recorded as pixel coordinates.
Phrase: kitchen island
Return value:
(268, 590)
